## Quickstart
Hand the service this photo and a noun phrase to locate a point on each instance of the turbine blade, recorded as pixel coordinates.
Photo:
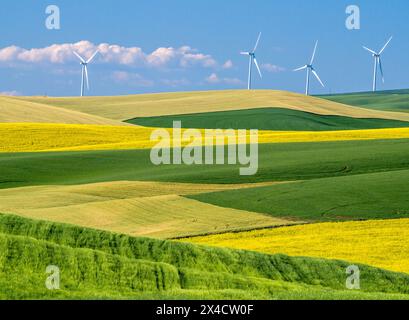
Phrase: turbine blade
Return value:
(245, 53)
(258, 40)
(318, 78)
(93, 56)
(86, 76)
(258, 68)
(313, 54)
(381, 69)
(370, 50)
(82, 80)
(384, 47)
(79, 57)
(301, 68)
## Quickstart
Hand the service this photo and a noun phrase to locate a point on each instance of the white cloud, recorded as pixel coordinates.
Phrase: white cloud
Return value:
(189, 57)
(10, 93)
(272, 68)
(132, 79)
(117, 54)
(228, 64)
(184, 57)
(214, 79)
(9, 53)
(109, 53)
(161, 56)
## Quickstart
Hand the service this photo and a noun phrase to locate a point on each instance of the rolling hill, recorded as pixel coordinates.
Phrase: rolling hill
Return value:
(153, 105)
(134, 208)
(380, 195)
(97, 264)
(14, 110)
(277, 162)
(85, 188)
(40, 137)
(376, 243)
(331, 184)
(275, 119)
(394, 100)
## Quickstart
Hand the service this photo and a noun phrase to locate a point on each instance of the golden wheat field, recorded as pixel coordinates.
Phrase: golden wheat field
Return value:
(14, 110)
(24, 137)
(380, 243)
(155, 209)
(161, 104)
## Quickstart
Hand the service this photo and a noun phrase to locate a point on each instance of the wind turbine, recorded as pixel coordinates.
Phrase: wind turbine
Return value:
(84, 76)
(252, 59)
(310, 69)
(378, 61)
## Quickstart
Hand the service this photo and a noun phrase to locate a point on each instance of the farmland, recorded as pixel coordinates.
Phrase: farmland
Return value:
(98, 264)
(275, 119)
(18, 137)
(135, 208)
(78, 190)
(17, 111)
(277, 162)
(377, 243)
(164, 104)
(393, 100)
(381, 195)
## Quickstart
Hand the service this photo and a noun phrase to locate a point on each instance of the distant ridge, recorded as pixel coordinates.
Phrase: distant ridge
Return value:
(14, 110)
(150, 105)
(377, 93)
(391, 100)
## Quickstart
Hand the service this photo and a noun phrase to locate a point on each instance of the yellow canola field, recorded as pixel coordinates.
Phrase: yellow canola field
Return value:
(380, 243)
(25, 137)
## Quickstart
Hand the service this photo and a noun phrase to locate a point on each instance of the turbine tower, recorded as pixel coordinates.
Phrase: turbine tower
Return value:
(310, 69)
(84, 75)
(252, 60)
(378, 62)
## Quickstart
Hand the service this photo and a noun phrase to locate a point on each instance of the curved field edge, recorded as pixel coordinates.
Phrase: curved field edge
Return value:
(277, 162)
(135, 208)
(149, 105)
(64, 137)
(392, 100)
(96, 263)
(380, 195)
(268, 119)
(377, 243)
(18, 111)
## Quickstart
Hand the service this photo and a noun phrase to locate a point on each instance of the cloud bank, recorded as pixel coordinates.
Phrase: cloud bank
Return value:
(109, 53)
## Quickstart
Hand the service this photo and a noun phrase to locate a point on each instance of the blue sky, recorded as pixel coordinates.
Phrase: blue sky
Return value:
(180, 45)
